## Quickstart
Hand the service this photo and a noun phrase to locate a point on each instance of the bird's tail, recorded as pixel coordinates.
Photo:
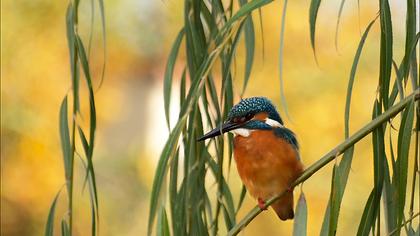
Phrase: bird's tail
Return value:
(284, 206)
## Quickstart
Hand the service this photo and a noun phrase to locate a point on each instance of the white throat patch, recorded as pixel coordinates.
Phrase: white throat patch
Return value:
(273, 123)
(242, 132)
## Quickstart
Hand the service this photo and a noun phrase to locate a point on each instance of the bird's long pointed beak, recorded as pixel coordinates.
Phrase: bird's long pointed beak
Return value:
(226, 127)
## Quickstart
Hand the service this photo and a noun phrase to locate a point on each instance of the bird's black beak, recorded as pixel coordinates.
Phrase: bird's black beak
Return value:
(226, 127)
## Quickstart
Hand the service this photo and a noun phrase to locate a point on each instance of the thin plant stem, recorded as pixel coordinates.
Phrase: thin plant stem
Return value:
(70, 183)
(330, 156)
(73, 141)
(404, 223)
(416, 167)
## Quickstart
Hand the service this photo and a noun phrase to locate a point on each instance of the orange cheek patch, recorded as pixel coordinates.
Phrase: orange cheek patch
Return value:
(261, 116)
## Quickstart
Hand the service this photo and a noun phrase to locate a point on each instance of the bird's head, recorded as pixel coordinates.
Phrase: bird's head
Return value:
(248, 115)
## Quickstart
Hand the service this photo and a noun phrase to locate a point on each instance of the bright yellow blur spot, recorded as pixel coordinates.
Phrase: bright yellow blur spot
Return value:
(131, 126)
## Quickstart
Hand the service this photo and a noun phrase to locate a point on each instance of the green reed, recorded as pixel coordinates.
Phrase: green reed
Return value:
(72, 132)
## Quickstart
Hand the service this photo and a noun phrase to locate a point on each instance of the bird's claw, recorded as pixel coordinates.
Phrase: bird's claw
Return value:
(261, 204)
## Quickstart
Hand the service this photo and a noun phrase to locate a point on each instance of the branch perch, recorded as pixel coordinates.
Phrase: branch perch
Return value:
(338, 150)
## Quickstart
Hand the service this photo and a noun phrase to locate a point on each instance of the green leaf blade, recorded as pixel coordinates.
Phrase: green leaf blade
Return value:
(301, 217)
(404, 139)
(169, 70)
(313, 14)
(49, 227)
(66, 146)
(386, 53)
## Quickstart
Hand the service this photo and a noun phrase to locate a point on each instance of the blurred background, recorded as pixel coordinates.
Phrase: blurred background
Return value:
(131, 129)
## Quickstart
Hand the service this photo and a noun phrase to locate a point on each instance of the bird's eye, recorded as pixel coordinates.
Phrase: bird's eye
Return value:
(242, 119)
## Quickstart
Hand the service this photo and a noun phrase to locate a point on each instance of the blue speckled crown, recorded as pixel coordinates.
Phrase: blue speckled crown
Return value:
(253, 106)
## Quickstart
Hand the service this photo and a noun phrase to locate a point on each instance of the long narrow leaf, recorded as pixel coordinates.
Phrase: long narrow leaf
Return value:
(371, 212)
(49, 228)
(335, 196)
(301, 218)
(340, 11)
(389, 201)
(102, 11)
(400, 177)
(163, 229)
(65, 231)
(410, 36)
(281, 59)
(313, 13)
(249, 47)
(65, 139)
(92, 123)
(386, 51)
(170, 65)
(160, 173)
(352, 76)
(368, 213)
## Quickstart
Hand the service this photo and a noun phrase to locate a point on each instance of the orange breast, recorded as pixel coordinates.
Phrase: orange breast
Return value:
(266, 164)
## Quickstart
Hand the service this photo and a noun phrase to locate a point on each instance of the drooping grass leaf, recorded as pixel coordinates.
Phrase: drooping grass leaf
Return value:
(313, 13)
(74, 67)
(102, 11)
(335, 196)
(326, 222)
(229, 205)
(340, 11)
(49, 227)
(85, 146)
(93, 197)
(65, 139)
(68, 138)
(352, 76)
(65, 231)
(92, 108)
(173, 189)
(358, 16)
(163, 229)
(160, 173)
(398, 82)
(169, 70)
(386, 51)
(241, 198)
(262, 33)
(379, 157)
(301, 217)
(281, 59)
(400, 177)
(92, 124)
(340, 176)
(410, 36)
(369, 212)
(91, 26)
(228, 220)
(389, 200)
(249, 46)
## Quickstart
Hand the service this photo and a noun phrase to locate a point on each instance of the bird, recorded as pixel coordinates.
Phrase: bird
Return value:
(265, 151)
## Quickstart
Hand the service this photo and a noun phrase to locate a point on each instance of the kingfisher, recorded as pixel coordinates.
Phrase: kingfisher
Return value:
(266, 152)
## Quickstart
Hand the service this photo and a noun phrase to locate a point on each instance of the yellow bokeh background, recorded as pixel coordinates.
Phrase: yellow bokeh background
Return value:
(131, 129)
